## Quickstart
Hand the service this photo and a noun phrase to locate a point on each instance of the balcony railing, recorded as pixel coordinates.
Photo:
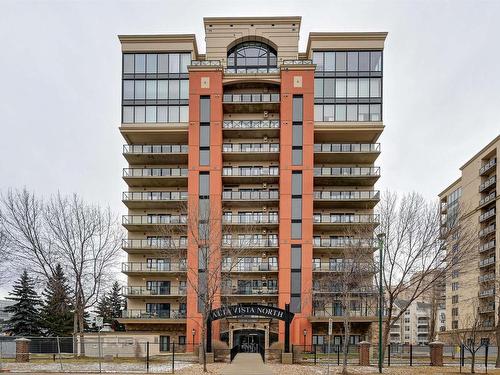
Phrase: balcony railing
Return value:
(155, 195)
(487, 246)
(490, 164)
(342, 267)
(154, 219)
(250, 243)
(488, 214)
(250, 267)
(250, 171)
(346, 195)
(355, 242)
(489, 229)
(251, 147)
(332, 312)
(336, 289)
(155, 172)
(489, 182)
(206, 63)
(487, 292)
(262, 70)
(249, 291)
(156, 243)
(297, 62)
(487, 309)
(143, 291)
(154, 267)
(347, 147)
(252, 219)
(345, 219)
(159, 314)
(245, 195)
(155, 149)
(251, 124)
(347, 171)
(251, 98)
(486, 278)
(490, 197)
(487, 262)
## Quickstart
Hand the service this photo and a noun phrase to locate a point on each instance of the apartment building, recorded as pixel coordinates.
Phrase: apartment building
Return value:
(470, 289)
(283, 142)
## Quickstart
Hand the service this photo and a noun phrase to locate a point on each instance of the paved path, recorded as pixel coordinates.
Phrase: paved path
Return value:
(247, 364)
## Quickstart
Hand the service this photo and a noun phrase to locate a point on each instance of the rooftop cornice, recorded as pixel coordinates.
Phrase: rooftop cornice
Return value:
(256, 20)
(495, 140)
(160, 38)
(449, 187)
(345, 36)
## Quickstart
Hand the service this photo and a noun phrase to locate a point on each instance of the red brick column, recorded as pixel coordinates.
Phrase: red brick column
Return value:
(436, 349)
(364, 353)
(22, 350)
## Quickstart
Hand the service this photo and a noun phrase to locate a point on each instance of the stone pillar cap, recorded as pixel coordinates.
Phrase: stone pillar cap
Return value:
(22, 339)
(436, 343)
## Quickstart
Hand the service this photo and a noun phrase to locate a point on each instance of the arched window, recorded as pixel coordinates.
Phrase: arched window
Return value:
(251, 57)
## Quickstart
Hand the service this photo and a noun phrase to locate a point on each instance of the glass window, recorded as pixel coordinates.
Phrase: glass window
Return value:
(163, 63)
(352, 112)
(296, 230)
(140, 63)
(364, 110)
(128, 89)
(295, 304)
(340, 88)
(296, 183)
(295, 282)
(376, 61)
(204, 136)
(352, 88)
(185, 62)
(329, 88)
(204, 157)
(204, 184)
(375, 112)
(151, 63)
(173, 114)
(128, 115)
(184, 91)
(330, 61)
(340, 61)
(318, 87)
(296, 135)
(297, 108)
(151, 113)
(318, 60)
(364, 61)
(140, 114)
(163, 90)
(329, 113)
(205, 109)
(140, 89)
(364, 87)
(128, 63)
(318, 112)
(173, 63)
(173, 90)
(352, 61)
(183, 113)
(297, 156)
(375, 90)
(162, 114)
(296, 208)
(150, 89)
(340, 112)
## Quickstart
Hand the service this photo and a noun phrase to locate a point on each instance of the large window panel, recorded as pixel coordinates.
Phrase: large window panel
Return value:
(163, 63)
(163, 90)
(364, 61)
(329, 112)
(184, 89)
(364, 87)
(128, 63)
(140, 63)
(151, 114)
(340, 61)
(173, 90)
(352, 112)
(128, 115)
(140, 114)
(318, 112)
(329, 61)
(173, 63)
(162, 114)
(185, 62)
(151, 63)
(329, 88)
(151, 89)
(376, 61)
(140, 90)
(318, 60)
(340, 112)
(318, 87)
(183, 113)
(352, 61)
(341, 88)
(352, 88)
(173, 114)
(375, 88)
(128, 90)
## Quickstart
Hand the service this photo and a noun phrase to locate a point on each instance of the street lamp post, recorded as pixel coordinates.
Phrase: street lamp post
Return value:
(193, 333)
(305, 334)
(380, 237)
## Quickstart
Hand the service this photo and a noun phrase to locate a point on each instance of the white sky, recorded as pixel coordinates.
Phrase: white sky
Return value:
(60, 86)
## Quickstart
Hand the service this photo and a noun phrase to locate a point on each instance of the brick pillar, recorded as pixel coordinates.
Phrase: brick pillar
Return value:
(22, 350)
(364, 353)
(436, 349)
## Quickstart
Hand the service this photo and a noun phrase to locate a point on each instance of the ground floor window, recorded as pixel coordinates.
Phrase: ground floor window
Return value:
(164, 343)
(182, 340)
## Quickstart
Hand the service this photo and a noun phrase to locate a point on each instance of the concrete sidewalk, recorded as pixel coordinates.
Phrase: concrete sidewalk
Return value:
(247, 364)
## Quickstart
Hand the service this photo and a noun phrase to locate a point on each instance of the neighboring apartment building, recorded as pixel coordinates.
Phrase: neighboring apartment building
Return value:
(471, 286)
(281, 140)
(413, 326)
(4, 316)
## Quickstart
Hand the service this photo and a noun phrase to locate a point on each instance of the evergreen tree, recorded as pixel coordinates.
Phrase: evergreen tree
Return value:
(57, 314)
(115, 301)
(103, 308)
(25, 319)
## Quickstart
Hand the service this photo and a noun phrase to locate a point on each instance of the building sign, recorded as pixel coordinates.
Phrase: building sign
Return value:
(253, 310)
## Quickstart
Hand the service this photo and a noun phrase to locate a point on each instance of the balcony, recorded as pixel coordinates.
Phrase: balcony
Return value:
(346, 176)
(149, 222)
(359, 153)
(490, 245)
(160, 317)
(488, 166)
(206, 63)
(342, 267)
(486, 278)
(336, 315)
(487, 293)
(143, 291)
(250, 71)
(486, 231)
(487, 215)
(156, 269)
(256, 174)
(488, 199)
(249, 291)
(251, 102)
(489, 183)
(154, 199)
(243, 198)
(243, 267)
(338, 289)
(334, 221)
(156, 154)
(487, 262)
(340, 243)
(487, 309)
(140, 246)
(155, 177)
(262, 243)
(250, 151)
(256, 218)
(251, 128)
(346, 199)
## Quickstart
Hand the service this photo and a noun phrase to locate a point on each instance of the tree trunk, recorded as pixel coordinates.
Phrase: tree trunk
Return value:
(203, 345)
(385, 337)
(345, 344)
(81, 326)
(472, 363)
(75, 332)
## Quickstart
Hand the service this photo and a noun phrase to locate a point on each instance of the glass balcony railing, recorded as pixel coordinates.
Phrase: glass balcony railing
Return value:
(250, 195)
(297, 62)
(155, 172)
(490, 164)
(155, 195)
(487, 293)
(158, 314)
(250, 171)
(344, 219)
(155, 149)
(343, 243)
(256, 218)
(251, 124)
(328, 288)
(337, 312)
(250, 147)
(166, 267)
(490, 197)
(347, 171)
(155, 243)
(487, 309)
(346, 195)
(251, 98)
(144, 291)
(261, 70)
(486, 278)
(489, 229)
(206, 63)
(251, 243)
(347, 147)
(342, 267)
(489, 182)
(250, 267)
(487, 215)
(487, 246)
(487, 262)
(153, 219)
(249, 291)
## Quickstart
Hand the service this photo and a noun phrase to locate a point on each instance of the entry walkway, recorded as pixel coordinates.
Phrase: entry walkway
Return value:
(247, 364)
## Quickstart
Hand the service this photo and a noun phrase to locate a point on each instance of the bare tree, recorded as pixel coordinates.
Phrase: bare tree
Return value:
(418, 250)
(3, 253)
